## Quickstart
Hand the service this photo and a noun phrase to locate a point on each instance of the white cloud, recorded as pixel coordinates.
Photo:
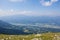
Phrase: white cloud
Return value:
(17, 0)
(13, 12)
(28, 13)
(47, 3)
(24, 12)
(0, 10)
(54, 0)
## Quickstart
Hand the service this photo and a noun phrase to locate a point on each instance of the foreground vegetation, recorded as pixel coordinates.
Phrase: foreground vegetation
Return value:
(44, 36)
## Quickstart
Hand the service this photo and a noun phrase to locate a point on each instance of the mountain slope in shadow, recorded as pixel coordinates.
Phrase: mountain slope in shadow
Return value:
(6, 28)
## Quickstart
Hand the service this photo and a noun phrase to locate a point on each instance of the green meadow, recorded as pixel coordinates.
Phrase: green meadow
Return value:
(44, 36)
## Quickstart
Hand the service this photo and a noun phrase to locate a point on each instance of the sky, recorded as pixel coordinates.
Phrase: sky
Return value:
(30, 7)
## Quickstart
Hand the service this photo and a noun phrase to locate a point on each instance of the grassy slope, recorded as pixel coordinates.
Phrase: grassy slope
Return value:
(44, 36)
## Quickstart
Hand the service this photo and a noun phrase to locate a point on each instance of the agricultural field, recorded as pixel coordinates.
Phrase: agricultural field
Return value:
(44, 36)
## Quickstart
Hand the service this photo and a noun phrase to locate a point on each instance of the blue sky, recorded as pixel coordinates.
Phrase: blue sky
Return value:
(30, 7)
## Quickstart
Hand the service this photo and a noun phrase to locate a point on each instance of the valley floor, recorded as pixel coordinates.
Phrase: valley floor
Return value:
(44, 36)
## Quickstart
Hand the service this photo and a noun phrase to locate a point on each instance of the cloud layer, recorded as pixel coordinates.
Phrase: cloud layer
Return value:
(47, 3)
(13, 12)
(27, 13)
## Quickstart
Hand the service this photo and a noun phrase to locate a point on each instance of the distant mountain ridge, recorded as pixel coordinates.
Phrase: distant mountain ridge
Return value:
(31, 19)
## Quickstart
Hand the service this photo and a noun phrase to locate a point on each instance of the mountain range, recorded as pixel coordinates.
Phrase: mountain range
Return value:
(31, 19)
